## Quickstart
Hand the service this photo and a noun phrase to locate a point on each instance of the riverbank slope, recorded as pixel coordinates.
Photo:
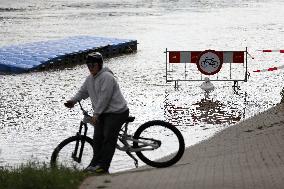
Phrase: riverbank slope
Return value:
(249, 154)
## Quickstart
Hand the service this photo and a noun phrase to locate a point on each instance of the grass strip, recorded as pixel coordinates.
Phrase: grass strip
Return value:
(40, 176)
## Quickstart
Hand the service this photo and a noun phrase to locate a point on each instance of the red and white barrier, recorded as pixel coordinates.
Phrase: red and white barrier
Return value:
(269, 69)
(192, 56)
(280, 51)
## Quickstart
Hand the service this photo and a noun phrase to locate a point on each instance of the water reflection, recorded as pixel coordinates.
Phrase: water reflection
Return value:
(206, 110)
(215, 112)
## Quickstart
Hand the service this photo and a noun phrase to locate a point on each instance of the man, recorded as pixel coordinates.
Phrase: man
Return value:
(110, 111)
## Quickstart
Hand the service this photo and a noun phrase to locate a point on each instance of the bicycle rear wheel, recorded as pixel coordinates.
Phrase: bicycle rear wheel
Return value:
(170, 141)
(62, 154)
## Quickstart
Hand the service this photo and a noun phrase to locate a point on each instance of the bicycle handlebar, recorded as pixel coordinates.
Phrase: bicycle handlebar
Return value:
(85, 113)
(87, 118)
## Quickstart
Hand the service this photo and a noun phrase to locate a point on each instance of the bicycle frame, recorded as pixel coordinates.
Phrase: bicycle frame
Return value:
(124, 138)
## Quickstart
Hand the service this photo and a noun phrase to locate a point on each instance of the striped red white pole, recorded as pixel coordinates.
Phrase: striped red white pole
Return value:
(270, 69)
(280, 51)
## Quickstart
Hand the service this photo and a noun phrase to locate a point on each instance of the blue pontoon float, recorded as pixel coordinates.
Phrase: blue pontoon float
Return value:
(60, 53)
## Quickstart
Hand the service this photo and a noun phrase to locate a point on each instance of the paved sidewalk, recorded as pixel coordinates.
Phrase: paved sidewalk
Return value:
(249, 154)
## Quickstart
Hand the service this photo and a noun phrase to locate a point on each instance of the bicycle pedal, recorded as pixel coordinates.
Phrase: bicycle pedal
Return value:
(135, 160)
(136, 163)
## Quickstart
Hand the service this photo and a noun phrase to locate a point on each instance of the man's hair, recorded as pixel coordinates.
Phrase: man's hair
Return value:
(95, 58)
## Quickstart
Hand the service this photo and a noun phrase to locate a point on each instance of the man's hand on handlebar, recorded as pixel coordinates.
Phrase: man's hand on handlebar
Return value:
(69, 104)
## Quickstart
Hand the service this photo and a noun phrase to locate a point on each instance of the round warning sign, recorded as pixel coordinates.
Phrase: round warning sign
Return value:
(209, 62)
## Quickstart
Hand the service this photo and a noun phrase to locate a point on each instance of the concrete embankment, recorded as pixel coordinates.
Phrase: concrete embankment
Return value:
(249, 154)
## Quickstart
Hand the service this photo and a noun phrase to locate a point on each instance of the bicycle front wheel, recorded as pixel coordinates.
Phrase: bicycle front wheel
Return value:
(169, 139)
(63, 154)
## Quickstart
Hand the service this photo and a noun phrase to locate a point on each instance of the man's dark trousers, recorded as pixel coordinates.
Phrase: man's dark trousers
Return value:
(105, 137)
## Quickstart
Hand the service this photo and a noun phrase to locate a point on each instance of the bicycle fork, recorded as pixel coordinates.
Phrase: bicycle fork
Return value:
(78, 157)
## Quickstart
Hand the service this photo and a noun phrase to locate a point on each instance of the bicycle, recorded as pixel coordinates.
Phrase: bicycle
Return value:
(74, 153)
(209, 62)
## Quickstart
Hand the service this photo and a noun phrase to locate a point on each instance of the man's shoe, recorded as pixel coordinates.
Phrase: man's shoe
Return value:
(91, 168)
(97, 170)
(101, 170)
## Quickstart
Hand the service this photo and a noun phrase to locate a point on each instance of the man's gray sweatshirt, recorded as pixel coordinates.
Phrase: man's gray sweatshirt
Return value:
(104, 93)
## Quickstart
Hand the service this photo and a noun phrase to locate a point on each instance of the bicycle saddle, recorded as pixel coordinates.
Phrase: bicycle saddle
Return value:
(130, 119)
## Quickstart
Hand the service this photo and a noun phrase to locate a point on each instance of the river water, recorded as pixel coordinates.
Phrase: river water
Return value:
(33, 119)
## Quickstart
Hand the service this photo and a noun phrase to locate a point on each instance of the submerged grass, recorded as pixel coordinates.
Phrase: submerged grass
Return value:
(40, 176)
